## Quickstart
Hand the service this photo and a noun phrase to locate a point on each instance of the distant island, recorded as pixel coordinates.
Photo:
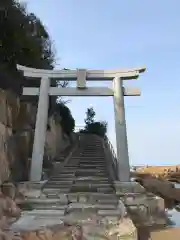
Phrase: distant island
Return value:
(170, 172)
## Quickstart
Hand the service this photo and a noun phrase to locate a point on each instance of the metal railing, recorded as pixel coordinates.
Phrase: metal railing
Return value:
(114, 162)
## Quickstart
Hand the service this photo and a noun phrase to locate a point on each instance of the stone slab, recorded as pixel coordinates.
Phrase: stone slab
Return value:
(128, 187)
(32, 193)
(91, 184)
(42, 201)
(105, 190)
(94, 206)
(56, 182)
(108, 201)
(91, 178)
(153, 204)
(44, 212)
(64, 175)
(85, 170)
(58, 179)
(106, 212)
(58, 186)
(31, 185)
(49, 207)
(32, 223)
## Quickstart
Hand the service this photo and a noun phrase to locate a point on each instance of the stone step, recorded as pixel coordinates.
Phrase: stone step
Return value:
(91, 189)
(83, 174)
(70, 171)
(93, 153)
(71, 165)
(83, 189)
(105, 190)
(49, 207)
(90, 168)
(91, 157)
(88, 182)
(91, 206)
(57, 182)
(97, 162)
(44, 212)
(111, 212)
(32, 223)
(64, 175)
(89, 171)
(90, 165)
(108, 201)
(92, 162)
(55, 190)
(92, 178)
(91, 185)
(57, 186)
(44, 201)
(60, 179)
(94, 170)
(95, 196)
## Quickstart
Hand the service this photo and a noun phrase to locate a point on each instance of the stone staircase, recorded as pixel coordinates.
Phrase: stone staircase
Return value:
(79, 192)
(82, 185)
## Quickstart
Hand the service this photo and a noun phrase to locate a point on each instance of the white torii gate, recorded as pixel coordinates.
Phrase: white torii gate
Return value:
(81, 75)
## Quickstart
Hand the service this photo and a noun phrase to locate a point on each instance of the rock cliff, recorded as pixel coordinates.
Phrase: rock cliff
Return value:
(17, 122)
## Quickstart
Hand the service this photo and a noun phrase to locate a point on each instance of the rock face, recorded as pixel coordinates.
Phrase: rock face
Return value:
(162, 188)
(9, 211)
(56, 140)
(17, 121)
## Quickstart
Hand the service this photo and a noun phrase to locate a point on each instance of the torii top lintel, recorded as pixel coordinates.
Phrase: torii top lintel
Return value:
(90, 75)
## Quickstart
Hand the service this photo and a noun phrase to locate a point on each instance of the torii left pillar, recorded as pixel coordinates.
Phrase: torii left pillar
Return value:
(40, 131)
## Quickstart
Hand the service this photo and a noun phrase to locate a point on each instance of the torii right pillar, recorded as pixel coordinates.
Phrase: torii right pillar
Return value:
(121, 132)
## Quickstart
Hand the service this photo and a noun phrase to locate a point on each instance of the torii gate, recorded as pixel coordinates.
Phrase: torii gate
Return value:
(81, 75)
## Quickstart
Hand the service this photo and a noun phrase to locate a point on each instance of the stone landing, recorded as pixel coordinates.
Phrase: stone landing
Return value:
(144, 208)
(115, 212)
(98, 213)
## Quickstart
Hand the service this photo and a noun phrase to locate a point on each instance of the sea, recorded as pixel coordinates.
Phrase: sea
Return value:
(174, 214)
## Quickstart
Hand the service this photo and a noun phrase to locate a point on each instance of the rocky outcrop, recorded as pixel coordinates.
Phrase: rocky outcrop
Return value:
(56, 140)
(89, 229)
(9, 211)
(17, 123)
(163, 188)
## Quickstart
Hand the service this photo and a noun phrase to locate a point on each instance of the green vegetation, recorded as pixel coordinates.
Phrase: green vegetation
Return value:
(24, 40)
(93, 127)
(63, 115)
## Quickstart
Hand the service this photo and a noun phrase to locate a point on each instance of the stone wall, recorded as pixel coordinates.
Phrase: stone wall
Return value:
(17, 122)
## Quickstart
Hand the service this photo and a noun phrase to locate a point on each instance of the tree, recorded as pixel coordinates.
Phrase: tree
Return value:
(99, 128)
(93, 127)
(90, 114)
(23, 40)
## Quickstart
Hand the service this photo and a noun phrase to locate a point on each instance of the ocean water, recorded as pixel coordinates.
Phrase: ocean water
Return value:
(173, 214)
